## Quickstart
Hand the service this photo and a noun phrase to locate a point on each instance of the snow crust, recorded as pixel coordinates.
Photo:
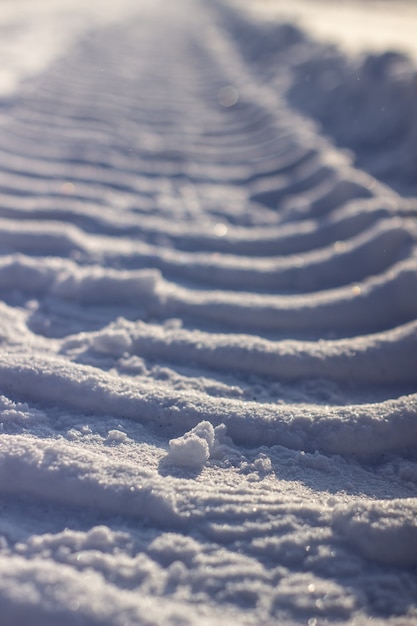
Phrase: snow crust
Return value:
(208, 321)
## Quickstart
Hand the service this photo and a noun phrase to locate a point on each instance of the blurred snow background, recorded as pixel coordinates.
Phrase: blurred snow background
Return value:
(34, 32)
(354, 25)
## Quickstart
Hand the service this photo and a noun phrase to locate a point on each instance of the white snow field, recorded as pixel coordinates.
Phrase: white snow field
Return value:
(208, 321)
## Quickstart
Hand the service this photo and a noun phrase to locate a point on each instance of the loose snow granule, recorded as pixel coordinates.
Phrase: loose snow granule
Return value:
(117, 436)
(263, 464)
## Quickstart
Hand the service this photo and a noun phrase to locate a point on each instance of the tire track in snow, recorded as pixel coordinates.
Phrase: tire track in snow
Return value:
(180, 249)
(339, 269)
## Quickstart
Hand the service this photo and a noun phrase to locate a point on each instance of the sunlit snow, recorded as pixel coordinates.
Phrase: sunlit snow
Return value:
(208, 313)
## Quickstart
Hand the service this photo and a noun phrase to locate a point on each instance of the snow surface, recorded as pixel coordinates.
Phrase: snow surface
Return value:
(208, 319)
(354, 25)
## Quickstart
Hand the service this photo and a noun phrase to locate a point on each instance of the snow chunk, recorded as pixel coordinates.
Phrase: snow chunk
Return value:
(193, 448)
(263, 464)
(117, 436)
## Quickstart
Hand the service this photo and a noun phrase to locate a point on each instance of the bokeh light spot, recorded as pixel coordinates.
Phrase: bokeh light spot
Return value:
(68, 188)
(228, 96)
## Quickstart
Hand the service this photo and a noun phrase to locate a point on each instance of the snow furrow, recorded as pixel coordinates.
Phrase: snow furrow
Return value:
(365, 431)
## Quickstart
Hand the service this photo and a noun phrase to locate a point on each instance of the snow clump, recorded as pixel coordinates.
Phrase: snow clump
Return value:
(193, 448)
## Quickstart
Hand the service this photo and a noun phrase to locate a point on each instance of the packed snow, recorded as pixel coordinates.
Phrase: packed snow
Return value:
(208, 317)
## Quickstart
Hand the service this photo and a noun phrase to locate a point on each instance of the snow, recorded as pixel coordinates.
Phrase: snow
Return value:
(208, 314)
(384, 532)
(377, 26)
(192, 449)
